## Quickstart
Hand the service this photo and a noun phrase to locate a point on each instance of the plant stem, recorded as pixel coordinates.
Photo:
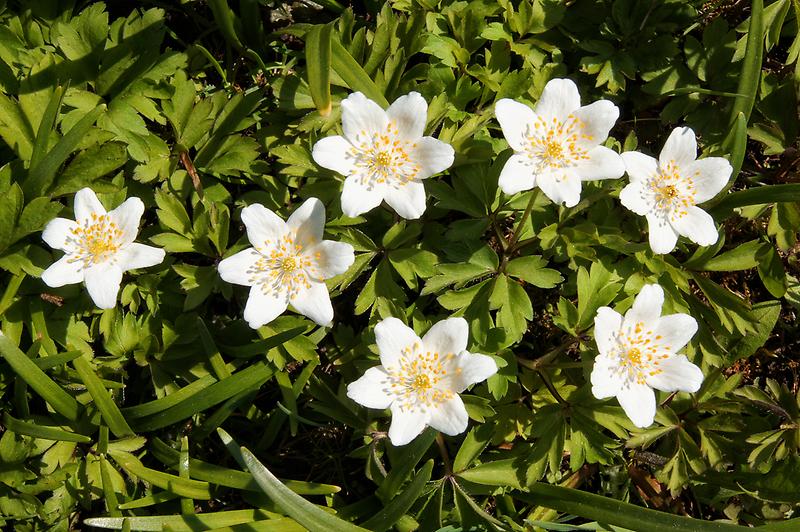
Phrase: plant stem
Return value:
(525, 216)
(448, 467)
(551, 388)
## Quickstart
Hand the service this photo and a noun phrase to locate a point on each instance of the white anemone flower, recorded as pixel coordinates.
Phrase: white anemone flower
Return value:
(98, 247)
(638, 353)
(668, 190)
(384, 155)
(420, 379)
(288, 264)
(557, 143)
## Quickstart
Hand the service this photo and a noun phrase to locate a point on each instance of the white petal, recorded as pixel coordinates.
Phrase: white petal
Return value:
(602, 163)
(605, 377)
(406, 425)
(358, 199)
(57, 232)
(447, 336)
(560, 97)
(449, 417)
(262, 308)
(407, 200)
(333, 153)
(680, 148)
(597, 118)
(370, 390)
(646, 307)
(561, 186)
(127, 217)
(136, 255)
(431, 156)
(696, 225)
(361, 117)
(675, 330)
(516, 120)
(636, 199)
(517, 175)
(334, 258)
(102, 282)
(314, 303)
(308, 221)
(262, 225)
(86, 204)
(392, 336)
(410, 114)
(639, 403)
(678, 374)
(238, 268)
(607, 324)
(472, 368)
(63, 272)
(662, 236)
(710, 175)
(640, 167)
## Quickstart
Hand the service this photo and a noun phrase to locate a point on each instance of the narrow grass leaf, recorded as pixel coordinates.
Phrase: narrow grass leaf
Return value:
(46, 125)
(102, 400)
(226, 21)
(150, 500)
(393, 511)
(318, 61)
(108, 489)
(352, 74)
(179, 523)
(159, 405)
(410, 457)
(44, 432)
(757, 196)
(184, 487)
(61, 401)
(302, 511)
(750, 74)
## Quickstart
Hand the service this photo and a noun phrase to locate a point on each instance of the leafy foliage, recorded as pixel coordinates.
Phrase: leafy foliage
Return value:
(201, 108)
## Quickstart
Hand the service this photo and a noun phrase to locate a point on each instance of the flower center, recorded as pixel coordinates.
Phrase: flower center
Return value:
(383, 157)
(421, 379)
(283, 267)
(555, 144)
(96, 241)
(640, 352)
(673, 192)
(666, 192)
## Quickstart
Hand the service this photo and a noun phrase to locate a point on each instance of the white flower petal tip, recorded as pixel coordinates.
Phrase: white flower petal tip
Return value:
(98, 247)
(384, 155)
(420, 378)
(639, 353)
(668, 190)
(287, 265)
(557, 144)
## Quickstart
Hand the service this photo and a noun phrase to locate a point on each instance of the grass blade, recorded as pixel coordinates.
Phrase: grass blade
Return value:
(44, 432)
(318, 65)
(302, 511)
(614, 512)
(184, 487)
(105, 404)
(41, 176)
(159, 405)
(759, 195)
(252, 377)
(226, 21)
(112, 505)
(750, 75)
(399, 505)
(352, 74)
(46, 125)
(61, 401)
(183, 522)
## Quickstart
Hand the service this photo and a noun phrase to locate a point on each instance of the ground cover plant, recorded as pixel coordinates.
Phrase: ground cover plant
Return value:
(415, 265)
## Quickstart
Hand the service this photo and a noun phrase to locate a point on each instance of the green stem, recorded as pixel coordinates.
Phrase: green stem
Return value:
(448, 467)
(551, 388)
(525, 216)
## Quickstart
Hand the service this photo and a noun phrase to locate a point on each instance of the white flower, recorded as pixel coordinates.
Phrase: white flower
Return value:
(639, 353)
(384, 155)
(99, 246)
(288, 264)
(557, 144)
(420, 379)
(668, 190)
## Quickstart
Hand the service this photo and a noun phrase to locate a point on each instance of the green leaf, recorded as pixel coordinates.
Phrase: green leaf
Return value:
(189, 523)
(61, 401)
(766, 315)
(504, 472)
(318, 66)
(44, 432)
(47, 125)
(614, 512)
(750, 74)
(407, 458)
(302, 511)
(102, 400)
(226, 21)
(532, 270)
(742, 257)
(184, 487)
(41, 176)
(400, 504)
(352, 74)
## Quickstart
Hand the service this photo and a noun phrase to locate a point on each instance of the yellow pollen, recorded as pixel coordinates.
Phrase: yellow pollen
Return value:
(421, 383)
(96, 241)
(634, 356)
(667, 192)
(288, 264)
(552, 150)
(383, 158)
